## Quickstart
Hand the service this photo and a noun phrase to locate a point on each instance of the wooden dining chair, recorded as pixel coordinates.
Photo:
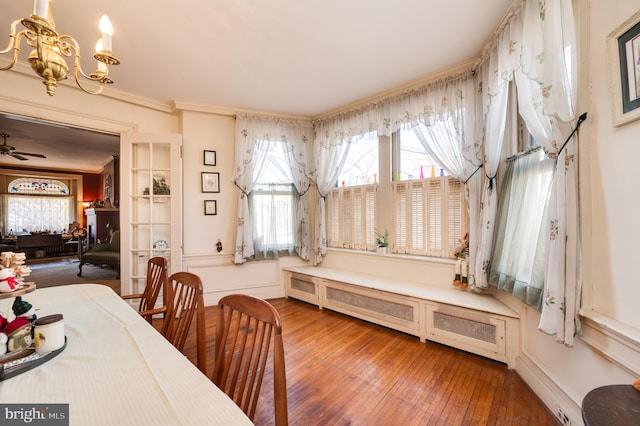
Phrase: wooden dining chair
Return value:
(156, 282)
(186, 301)
(244, 330)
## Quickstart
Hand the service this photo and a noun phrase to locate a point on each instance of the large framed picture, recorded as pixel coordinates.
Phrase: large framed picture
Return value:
(624, 62)
(210, 182)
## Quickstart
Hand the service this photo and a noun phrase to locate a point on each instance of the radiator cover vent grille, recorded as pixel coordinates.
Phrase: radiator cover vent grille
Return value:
(305, 286)
(385, 307)
(465, 327)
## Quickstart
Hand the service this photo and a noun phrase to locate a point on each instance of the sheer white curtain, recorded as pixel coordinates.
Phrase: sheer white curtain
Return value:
(496, 73)
(547, 95)
(251, 130)
(449, 134)
(519, 254)
(450, 100)
(330, 153)
(445, 124)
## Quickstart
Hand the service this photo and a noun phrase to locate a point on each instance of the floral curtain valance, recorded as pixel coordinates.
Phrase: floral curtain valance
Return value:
(436, 101)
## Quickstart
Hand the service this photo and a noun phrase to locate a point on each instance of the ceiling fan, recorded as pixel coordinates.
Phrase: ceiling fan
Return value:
(11, 151)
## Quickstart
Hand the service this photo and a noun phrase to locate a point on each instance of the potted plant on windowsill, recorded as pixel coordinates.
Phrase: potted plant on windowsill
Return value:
(382, 242)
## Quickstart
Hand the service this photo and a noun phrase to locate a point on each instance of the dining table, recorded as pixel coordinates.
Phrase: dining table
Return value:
(115, 368)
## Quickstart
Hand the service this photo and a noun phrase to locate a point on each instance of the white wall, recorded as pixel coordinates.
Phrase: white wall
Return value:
(216, 132)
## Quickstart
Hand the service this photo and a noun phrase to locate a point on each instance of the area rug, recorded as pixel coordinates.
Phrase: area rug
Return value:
(62, 271)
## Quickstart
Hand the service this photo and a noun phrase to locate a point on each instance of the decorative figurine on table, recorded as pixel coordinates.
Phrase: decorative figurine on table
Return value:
(20, 330)
(15, 262)
(19, 334)
(23, 309)
(8, 282)
(461, 279)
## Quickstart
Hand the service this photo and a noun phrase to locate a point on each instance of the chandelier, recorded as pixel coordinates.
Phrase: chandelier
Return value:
(47, 57)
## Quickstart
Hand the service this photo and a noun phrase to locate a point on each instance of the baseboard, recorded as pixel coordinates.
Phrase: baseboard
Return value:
(551, 394)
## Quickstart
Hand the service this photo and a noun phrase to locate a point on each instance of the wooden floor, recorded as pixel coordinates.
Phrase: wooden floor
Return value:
(343, 371)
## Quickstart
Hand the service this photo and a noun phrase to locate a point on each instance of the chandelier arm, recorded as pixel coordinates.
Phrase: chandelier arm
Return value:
(13, 42)
(77, 70)
(16, 51)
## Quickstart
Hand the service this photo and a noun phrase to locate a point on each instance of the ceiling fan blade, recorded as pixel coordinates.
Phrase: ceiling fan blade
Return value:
(17, 155)
(31, 155)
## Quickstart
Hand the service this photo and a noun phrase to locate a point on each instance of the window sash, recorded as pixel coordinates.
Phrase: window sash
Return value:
(273, 208)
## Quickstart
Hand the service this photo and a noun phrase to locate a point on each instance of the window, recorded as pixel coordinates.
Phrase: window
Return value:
(273, 204)
(425, 215)
(413, 161)
(522, 227)
(352, 204)
(273, 210)
(361, 166)
(35, 205)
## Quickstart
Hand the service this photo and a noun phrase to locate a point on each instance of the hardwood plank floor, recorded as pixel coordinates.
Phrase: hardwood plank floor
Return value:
(343, 371)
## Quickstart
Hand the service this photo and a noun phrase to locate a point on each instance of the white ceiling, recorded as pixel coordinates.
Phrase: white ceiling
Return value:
(295, 57)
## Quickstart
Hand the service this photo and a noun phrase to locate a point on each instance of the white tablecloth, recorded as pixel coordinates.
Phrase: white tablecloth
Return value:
(116, 369)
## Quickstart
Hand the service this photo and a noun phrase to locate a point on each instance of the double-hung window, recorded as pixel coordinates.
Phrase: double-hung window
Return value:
(352, 203)
(420, 206)
(429, 206)
(273, 203)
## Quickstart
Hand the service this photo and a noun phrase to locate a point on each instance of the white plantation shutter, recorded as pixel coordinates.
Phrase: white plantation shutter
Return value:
(346, 223)
(429, 216)
(456, 215)
(351, 221)
(434, 217)
(401, 200)
(333, 221)
(416, 220)
(370, 215)
(358, 240)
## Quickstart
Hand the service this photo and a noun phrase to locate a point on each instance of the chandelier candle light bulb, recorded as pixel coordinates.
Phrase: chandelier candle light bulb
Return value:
(41, 8)
(107, 31)
(102, 67)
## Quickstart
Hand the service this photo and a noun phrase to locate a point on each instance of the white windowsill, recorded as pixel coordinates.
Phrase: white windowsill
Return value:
(426, 259)
(616, 341)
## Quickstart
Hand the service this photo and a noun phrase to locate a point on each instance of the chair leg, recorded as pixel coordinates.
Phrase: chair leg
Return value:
(80, 266)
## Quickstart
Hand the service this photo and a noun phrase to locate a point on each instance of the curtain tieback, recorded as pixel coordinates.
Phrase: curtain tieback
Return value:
(471, 175)
(235, 182)
(491, 179)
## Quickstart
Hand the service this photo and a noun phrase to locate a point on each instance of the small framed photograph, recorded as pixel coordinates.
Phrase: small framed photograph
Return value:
(624, 63)
(209, 158)
(210, 207)
(210, 182)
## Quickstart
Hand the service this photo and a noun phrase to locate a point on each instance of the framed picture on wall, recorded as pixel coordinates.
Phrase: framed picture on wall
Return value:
(210, 182)
(210, 207)
(209, 158)
(624, 63)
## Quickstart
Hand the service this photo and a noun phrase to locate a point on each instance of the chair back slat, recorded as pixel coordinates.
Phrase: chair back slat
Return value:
(186, 301)
(245, 330)
(156, 281)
